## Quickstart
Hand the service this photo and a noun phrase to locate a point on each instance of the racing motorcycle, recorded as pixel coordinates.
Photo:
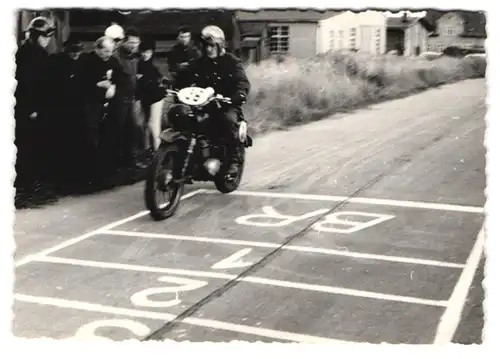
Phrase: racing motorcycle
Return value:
(188, 154)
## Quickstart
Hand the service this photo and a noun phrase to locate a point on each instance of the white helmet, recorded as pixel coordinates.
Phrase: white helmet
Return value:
(213, 35)
(115, 31)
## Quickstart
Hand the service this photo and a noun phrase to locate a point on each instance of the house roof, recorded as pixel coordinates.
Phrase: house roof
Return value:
(285, 15)
(474, 21)
(400, 23)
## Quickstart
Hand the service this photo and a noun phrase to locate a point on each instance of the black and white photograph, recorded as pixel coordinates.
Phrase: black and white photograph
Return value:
(265, 175)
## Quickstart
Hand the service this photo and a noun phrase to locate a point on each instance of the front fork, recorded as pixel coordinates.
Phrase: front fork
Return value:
(190, 151)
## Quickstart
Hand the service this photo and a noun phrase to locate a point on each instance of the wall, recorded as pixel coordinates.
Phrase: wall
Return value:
(302, 39)
(337, 32)
(415, 35)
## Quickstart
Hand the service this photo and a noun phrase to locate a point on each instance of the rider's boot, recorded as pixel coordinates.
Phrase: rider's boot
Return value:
(236, 159)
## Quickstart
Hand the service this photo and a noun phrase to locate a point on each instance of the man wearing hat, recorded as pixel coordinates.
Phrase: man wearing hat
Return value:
(31, 96)
(67, 107)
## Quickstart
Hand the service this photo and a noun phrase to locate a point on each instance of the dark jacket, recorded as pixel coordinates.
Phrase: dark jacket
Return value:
(225, 74)
(94, 69)
(32, 88)
(127, 84)
(148, 86)
(66, 75)
(179, 54)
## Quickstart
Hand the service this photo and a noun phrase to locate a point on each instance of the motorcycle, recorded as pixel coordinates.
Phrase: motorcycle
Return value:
(187, 154)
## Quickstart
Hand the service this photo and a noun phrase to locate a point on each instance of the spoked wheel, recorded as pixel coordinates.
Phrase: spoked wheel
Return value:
(226, 183)
(162, 195)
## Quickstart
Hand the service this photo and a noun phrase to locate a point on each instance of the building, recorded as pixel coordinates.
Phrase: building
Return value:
(408, 35)
(295, 33)
(360, 31)
(464, 29)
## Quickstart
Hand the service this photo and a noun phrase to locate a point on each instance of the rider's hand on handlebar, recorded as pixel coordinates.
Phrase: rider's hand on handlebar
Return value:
(238, 99)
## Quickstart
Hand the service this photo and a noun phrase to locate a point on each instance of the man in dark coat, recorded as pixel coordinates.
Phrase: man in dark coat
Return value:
(31, 94)
(100, 76)
(182, 53)
(66, 109)
(225, 74)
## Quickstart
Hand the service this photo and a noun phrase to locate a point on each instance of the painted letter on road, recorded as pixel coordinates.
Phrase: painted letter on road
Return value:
(88, 331)
(335, 224)
(271, 214)
(142, 298)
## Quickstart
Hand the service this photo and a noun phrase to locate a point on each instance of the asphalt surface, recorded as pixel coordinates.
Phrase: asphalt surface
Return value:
(358, 228)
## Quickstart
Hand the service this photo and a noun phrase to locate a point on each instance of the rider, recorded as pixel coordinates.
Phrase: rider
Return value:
(223, 72)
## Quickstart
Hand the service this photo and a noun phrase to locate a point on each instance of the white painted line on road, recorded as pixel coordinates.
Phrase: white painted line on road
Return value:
(208, 323)
(303, 249)
(73, 241)
(255, 280)
(362, 200)
(451, 316)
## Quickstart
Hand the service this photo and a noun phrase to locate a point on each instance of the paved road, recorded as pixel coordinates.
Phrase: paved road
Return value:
(359, 228)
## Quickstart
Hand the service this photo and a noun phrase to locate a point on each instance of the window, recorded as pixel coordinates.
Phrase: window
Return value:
(352, 38)
(449, 30)
(332, 39)
(377, 41)
(279, 39)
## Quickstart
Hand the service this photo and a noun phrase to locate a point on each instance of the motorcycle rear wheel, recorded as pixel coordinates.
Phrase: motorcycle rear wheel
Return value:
(156, 181)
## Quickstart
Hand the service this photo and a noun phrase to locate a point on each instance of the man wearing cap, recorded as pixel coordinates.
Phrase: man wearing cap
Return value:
(115, 32)
(66, 107)
(31, 93)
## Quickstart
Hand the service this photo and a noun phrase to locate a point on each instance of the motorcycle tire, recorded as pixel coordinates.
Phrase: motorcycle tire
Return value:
(172, 153)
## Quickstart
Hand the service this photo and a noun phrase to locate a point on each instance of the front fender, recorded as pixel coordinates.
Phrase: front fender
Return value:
(170, 136)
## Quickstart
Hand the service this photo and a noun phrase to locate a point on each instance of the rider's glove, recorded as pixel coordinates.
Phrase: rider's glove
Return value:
(239, 99)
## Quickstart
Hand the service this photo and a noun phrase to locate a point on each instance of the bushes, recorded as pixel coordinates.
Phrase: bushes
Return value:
(301, 90)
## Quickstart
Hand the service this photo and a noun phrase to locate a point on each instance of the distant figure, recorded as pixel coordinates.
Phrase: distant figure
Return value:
(182, 53)
(31, 94)
(150, 93)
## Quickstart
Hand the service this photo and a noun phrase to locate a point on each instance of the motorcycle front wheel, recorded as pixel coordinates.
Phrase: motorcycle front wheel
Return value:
(160, 181)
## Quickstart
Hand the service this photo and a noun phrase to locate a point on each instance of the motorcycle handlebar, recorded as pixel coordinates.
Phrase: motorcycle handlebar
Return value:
(215, 97)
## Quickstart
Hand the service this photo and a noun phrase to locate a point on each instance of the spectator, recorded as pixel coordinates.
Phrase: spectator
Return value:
(182, 53)
(66, 109)
(150, 93)
(100, 76)
(32, 61)
(116, 32)
(129, 129)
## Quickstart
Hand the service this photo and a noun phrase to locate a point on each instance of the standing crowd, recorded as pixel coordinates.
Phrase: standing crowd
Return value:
(83, 116)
